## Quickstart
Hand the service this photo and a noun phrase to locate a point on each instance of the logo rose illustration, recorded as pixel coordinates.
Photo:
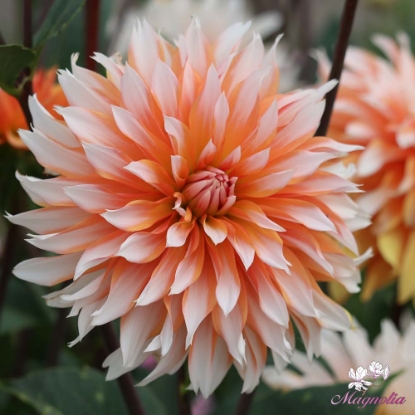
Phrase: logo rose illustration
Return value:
(375, 371)
(359, 383)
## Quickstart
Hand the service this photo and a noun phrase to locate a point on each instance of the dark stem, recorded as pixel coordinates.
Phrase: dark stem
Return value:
(304, 12)
(244, 403)
(57, 338)
(47, 4)
(338, 60)
(126, 381)
(7, 264)
(2, 40)
(27, 89)
(182, 395)
(27, 23)
(92, 31)
(24, 101)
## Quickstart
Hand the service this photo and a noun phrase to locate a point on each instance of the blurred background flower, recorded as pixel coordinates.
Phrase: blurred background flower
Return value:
(172, 17)
(375, 108)
(12, 118)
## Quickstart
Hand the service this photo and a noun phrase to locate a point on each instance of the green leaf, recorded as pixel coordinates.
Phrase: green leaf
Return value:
(372, 312)
(16, 66)
(151, 403)
(310, 401)
(72, 391)
(27, 298)
(15, 406)
(60, 15)
(164, 387)
(13, 321)
(313, 401)
(4, 397)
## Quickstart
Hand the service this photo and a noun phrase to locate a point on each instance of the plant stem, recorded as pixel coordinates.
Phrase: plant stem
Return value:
(27, 42)
(2, 40)
(27, 23)
(338, 60)
(183, 397)
(47, 4)
(24, 101)
(57, 338)
(305, 38)
(244, 403)
(92, 31)
(7, 264)
(125, 382)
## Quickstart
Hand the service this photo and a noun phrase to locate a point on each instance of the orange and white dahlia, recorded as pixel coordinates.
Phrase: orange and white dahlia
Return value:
(375, 108)
(12, 117)
(191, 202)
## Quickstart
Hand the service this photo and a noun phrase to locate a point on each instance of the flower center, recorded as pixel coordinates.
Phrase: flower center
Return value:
(209, 191)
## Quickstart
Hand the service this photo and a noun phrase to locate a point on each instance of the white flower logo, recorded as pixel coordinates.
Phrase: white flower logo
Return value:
(359, 383)
(376, 370)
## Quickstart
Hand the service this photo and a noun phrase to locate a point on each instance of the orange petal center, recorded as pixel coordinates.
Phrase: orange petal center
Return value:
(209, 191)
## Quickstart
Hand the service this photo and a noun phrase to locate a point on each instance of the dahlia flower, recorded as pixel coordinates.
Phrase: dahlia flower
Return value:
(352, 349)
(11, 114)
(376, 108)
(194, 203)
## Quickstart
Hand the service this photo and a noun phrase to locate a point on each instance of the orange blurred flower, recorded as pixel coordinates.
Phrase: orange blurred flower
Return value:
(12, 117)
(376, 108)
(193, 203)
